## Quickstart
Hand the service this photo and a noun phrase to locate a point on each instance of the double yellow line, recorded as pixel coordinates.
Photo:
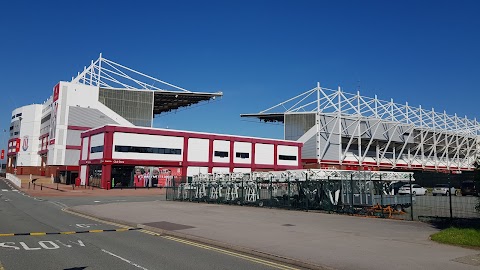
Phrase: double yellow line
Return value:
(186, 242)
(230, 253)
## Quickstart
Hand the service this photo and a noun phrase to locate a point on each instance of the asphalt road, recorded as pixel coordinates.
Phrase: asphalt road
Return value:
(103, 250)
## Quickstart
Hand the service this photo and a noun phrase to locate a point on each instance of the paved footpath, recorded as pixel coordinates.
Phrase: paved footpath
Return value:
(334, 241)
(61, 190)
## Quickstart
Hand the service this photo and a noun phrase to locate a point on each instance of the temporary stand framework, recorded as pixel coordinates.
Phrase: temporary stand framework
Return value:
(314, 189)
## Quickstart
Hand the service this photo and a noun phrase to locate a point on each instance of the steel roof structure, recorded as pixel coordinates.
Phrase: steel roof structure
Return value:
(105, 73)
(329, 101)
(366, 130)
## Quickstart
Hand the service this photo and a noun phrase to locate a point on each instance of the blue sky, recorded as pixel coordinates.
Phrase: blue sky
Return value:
(258, 53)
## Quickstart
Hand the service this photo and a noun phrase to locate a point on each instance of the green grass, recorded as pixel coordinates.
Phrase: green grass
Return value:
(458, 236)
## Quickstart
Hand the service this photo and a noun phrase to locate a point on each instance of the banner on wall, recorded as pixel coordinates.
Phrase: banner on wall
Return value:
(54, 114)
(25, 143)
(156, 176)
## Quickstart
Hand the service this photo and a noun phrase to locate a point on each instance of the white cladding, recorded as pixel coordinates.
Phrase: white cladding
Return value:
(83, 173)
(197, 150)
(96, 140)
(242, 170)
(286, 150)
(85, 148)
(192, 170)
(72, 95)
(264, 154)
(221, 146)
(144, 140)
(28, 132)
(243, 148)
(220, 169)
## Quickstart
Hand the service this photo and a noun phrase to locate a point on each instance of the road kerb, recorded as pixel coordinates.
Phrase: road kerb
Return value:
(214, 243)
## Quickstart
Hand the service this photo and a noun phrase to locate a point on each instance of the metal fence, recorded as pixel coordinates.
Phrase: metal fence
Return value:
(366, 193)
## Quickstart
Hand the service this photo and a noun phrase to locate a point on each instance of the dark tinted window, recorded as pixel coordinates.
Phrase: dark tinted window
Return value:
(242, 155)
(147, 150)
(221, 154)
(285, 157)
(96, 149)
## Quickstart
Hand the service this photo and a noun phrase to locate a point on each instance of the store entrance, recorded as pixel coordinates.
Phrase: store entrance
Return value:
(122, 176)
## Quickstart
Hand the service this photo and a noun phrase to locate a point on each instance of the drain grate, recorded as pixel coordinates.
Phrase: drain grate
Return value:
(164, 225)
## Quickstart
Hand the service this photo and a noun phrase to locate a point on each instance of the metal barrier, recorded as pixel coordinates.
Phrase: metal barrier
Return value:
(351, 192)
(15, 180)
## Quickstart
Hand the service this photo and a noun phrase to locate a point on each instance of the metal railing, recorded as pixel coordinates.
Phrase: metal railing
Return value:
(364, 193)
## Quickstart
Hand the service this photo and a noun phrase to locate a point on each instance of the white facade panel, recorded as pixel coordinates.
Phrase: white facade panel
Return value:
(83, 174)
(144, 140)
(85, 148)
(242, 148)
(96, 140)
(197, 150)
(71, 157)
(220, 170)
(264, 154)
(28, 131)
(290, 151)
(221, 146)
(191, 171)
(242, 170)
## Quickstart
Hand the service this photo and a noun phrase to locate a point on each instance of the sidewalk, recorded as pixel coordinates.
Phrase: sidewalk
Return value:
(335, 241)
(50, 190)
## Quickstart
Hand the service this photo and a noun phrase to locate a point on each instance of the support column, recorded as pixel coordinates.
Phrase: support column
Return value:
(253, 157)
(107, 158)
(106, 176)
(231, 158)
(210, 155)
(275, 156)
(185, 158)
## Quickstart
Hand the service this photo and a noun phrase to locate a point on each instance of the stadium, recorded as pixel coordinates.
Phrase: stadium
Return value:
(98, 127)
(54, 138)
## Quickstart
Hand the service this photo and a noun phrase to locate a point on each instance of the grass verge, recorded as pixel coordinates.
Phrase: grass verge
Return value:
(459, 236)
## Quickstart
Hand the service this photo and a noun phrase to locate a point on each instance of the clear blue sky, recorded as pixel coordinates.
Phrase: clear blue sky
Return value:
(258, 53)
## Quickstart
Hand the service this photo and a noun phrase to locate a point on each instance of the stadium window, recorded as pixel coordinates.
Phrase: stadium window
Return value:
(242, 155)
(96, 149)
(147, 150)
(285, 157)
(15, 133)
(18, 115)
(46, 118)
(221, 154)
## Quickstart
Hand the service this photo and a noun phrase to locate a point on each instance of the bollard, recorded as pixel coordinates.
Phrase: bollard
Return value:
(411, 199)
(33, 186)
(450, 197)
(41, 186)
(57, 186)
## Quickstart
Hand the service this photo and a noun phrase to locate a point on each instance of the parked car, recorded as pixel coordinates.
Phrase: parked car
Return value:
(470, 188)
(395, 186)
(416, 190)
(442, 189)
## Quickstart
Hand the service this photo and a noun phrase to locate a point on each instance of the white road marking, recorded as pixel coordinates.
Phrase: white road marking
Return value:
(125, 260)
(4, 189)
(49, 245)
(96, 201)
